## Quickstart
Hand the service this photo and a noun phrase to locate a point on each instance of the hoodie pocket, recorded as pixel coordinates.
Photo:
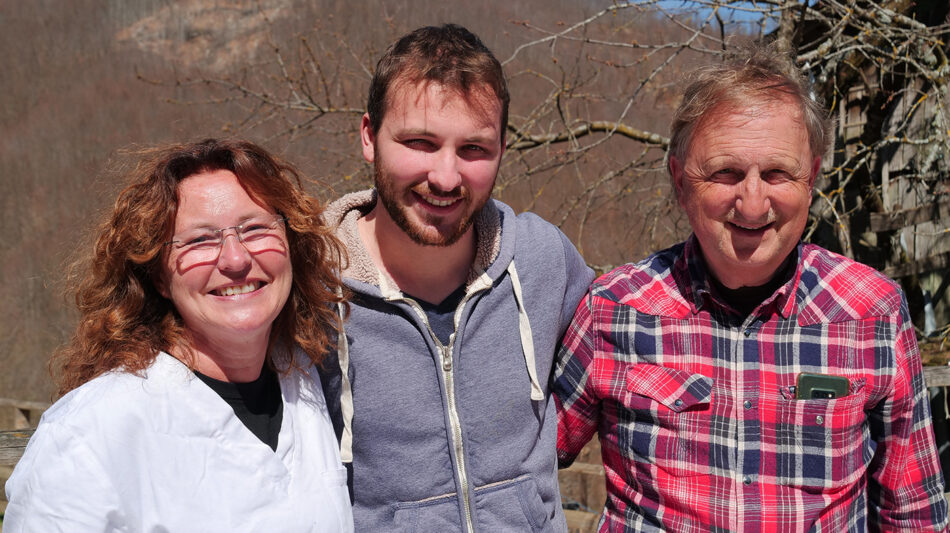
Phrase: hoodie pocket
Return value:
(664, 421)
(432, 515)
(512, 505)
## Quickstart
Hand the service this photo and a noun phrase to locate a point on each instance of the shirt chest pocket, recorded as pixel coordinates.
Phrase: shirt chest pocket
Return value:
(663, 421)
(821, 443)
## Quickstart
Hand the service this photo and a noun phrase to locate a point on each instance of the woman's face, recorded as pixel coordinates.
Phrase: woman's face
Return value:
(233, 292)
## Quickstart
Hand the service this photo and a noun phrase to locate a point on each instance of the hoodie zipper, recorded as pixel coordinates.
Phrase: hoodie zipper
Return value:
(448, 377)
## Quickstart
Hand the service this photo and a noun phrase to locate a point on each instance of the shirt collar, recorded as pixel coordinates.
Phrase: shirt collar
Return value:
(692, 275)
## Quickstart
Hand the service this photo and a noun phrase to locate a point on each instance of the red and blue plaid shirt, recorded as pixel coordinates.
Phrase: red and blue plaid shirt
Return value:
(695, 407)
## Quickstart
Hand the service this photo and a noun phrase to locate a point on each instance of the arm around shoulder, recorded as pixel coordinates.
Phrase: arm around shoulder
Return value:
(574, 394)
(905, 486)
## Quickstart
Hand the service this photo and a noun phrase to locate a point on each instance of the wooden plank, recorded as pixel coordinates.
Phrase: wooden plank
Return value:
(909, 217)
(581, 521)
(21, 418)
(586, 468)
(25, 405)
(929, 264)
(12, 444)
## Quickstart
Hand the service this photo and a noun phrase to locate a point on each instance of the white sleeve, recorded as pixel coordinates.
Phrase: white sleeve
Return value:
(61, 485)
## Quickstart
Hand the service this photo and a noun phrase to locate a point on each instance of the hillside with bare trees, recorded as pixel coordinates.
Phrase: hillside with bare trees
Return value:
(593, 84)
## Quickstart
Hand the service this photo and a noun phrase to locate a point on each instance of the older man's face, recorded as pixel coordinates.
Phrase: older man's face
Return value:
(746, 185)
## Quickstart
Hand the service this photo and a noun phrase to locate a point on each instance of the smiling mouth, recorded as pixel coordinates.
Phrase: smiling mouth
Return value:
(438, 202)
(235, 290)
(750, 227)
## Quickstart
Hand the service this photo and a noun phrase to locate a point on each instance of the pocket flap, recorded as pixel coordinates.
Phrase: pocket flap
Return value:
(676, 389)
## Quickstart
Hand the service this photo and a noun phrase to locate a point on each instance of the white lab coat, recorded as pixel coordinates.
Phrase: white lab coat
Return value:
(165, 453)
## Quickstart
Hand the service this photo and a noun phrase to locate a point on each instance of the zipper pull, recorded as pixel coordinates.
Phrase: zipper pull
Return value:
(446, 358)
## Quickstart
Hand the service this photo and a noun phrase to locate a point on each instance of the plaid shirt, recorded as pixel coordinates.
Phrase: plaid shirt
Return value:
(694, 404)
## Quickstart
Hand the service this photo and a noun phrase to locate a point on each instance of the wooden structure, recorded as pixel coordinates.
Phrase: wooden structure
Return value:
(19, 414)
(912, 225)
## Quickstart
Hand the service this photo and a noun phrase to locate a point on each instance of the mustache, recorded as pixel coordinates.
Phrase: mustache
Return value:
(734, 218)
(425, 188)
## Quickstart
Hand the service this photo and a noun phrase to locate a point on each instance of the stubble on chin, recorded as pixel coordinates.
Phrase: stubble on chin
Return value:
(432, 234)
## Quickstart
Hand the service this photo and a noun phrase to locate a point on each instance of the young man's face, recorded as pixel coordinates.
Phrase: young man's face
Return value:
(746, 185)
(436, 156)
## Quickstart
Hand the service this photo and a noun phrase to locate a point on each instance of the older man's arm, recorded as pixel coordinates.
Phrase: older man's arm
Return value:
(578, 409)
(905, 485)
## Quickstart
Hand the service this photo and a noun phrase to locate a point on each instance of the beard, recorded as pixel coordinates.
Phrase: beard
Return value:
(433, 230)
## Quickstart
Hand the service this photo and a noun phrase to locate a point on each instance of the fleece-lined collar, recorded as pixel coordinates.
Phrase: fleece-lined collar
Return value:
(344, 213)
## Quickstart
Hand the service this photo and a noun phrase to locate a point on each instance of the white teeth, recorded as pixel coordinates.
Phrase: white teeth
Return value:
(438, 203)
(752, 228)
(238, 289)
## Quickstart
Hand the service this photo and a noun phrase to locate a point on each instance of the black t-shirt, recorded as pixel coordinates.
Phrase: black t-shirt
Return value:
(745, 299)
(257, 404)
(442, 315)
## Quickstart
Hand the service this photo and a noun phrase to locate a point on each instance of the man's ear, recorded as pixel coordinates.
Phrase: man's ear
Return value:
(676, 171)
(367, 139)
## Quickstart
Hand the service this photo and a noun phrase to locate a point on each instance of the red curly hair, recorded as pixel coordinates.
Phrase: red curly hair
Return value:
(124, 322)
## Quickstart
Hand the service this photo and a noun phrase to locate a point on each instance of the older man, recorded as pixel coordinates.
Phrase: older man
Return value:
(458, 304)
(743, 380)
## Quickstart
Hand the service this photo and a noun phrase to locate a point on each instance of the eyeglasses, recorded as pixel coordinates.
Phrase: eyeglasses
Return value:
(203, 245)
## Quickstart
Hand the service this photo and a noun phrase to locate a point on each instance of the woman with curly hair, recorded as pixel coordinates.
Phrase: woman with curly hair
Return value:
(192, 400)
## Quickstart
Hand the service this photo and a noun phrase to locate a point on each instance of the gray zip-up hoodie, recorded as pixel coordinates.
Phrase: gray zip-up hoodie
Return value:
(458, 437)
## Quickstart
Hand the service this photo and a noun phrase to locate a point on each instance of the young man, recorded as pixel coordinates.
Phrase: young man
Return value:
(693, 365)
(457, 306)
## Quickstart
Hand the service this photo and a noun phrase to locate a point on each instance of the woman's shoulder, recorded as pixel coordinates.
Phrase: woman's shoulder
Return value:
(116, 393)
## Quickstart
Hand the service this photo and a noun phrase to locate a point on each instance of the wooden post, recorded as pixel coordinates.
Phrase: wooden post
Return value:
(12, 444)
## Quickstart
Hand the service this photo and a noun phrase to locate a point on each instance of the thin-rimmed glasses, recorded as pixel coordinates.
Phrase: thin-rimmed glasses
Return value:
(203, 245)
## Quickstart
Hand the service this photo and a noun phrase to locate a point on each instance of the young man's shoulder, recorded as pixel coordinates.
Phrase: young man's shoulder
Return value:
(525, 223)
(540, 249)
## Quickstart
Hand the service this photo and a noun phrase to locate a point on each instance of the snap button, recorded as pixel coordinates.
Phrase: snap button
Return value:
(747, 480)
(747, 404)
(747, 332)
(819, 420)
(678, 402)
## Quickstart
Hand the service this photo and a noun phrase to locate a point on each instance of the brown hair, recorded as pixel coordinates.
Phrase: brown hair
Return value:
(449, 55)
(124, 321)
(756, 72)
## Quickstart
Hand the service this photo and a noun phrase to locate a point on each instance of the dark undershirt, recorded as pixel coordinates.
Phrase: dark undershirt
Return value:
(746, 299)
(257, 404)
(442, 315)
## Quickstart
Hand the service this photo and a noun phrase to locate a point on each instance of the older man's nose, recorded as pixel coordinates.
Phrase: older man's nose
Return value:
(752, 198)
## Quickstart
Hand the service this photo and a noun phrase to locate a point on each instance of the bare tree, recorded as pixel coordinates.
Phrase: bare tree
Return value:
(592, 96)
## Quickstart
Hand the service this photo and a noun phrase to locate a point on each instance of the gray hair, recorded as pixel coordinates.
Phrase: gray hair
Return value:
(756, 72)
